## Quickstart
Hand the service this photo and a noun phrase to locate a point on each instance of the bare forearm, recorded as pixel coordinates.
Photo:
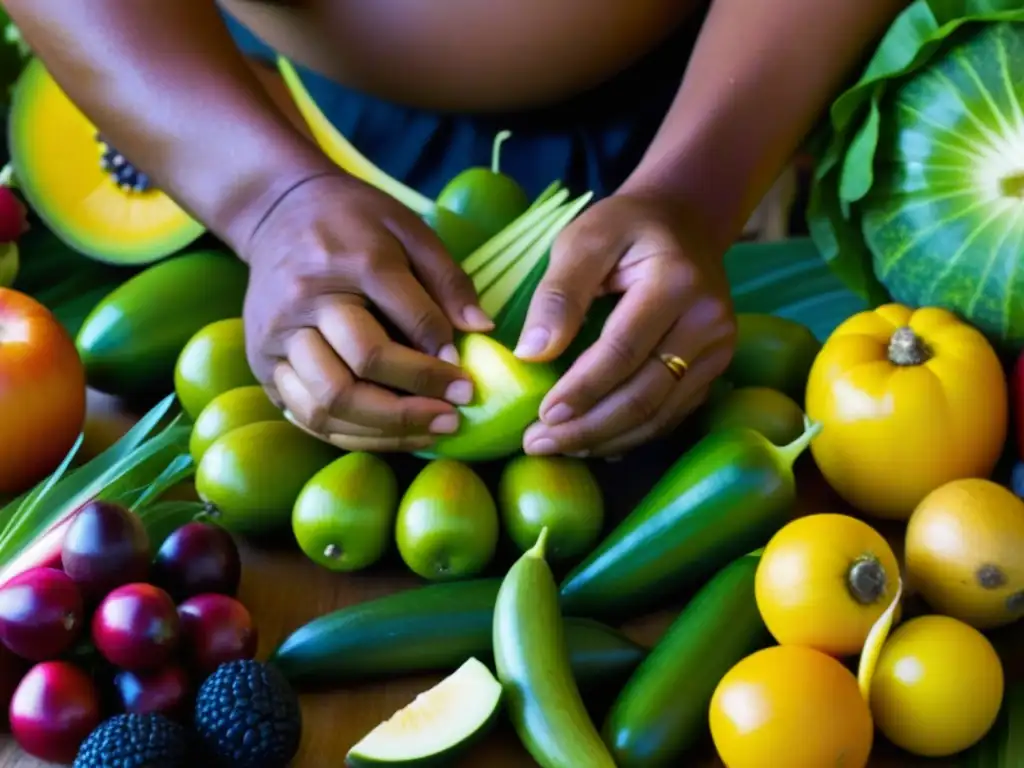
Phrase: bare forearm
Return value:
(165, 83)
(762, 73)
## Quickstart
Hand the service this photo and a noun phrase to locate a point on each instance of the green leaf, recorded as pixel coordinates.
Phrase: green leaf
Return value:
(181, 468)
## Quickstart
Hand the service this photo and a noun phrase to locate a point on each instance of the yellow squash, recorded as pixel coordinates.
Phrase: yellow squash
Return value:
(908, 400)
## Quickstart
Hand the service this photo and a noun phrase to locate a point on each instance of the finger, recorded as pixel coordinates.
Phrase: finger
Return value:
(675, 414)
(371, 356)
(381, 444)
(582, 257)
(444, 280)
(643, 315)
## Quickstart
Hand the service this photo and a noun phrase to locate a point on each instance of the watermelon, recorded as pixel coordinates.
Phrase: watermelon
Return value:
(918, 196)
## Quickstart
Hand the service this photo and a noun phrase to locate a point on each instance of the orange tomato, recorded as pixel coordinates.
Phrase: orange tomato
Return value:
(823, 581)
(790, 706)
(937, 688)
(42, 392)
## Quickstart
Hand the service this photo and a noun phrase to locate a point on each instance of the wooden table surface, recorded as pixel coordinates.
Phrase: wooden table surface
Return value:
(283, 590)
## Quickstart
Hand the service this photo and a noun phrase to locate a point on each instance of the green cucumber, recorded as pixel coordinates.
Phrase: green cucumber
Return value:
(434, 628)
(439, 724)
(662, 712)
(726, 496)
(131, 340)
(772, 352)
(1003, 745)
(532, 659)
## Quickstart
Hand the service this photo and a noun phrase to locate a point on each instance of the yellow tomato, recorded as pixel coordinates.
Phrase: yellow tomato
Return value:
(823, 581)
(937, 688)
(790, 706)
(965, 552)
(908, 401)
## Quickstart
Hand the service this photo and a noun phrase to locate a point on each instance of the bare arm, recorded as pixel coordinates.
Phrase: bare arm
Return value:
(762, 73)
(166, 84)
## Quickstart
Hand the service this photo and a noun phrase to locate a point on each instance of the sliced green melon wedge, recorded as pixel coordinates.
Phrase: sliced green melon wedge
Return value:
(437, 724)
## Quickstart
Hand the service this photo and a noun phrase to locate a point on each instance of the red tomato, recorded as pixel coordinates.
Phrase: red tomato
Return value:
(42, 392)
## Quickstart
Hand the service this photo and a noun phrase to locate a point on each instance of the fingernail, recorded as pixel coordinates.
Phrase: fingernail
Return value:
(445, 424)
(533, 342)
(542, 446)
(449, 354)
(557, 414)
(459, 392)
(477, 318)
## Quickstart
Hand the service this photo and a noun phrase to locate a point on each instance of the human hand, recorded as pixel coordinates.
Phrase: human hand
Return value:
(328, 252)
(620, 393)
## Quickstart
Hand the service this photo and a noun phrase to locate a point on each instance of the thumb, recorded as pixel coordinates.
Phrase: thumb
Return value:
(582, 257)
(445, 281)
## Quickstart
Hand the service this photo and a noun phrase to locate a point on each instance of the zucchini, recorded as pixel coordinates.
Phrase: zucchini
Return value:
(662, 712)
(532, 660)
(725, 497)
(772, 352)
(1003, 746)
(130, 341)
(434, 628)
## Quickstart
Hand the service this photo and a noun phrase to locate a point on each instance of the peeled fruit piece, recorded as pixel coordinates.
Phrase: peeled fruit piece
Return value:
(216, 629)
(553, 492)
(447, 525)
(253, 475)
(54, 708)
(965, 552)
(790, 706)
(344, 517)
(823, 581)
(41, 614)
(136, 627)
(437, 725)
(767, 411)
(195, 559)
(937, 688)
(104, 547)
(211, 363)
(230, 410)
(164, 691)
(507, 394)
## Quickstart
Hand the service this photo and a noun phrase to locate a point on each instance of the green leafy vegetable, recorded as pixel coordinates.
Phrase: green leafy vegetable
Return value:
(916, 194)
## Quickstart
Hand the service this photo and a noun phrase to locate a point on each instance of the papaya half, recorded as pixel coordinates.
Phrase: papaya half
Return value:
(82, 188)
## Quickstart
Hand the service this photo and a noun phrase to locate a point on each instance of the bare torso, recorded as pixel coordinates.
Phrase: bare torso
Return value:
(465, 54)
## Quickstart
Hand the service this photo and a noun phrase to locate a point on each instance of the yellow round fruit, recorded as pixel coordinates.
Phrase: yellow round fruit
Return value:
(211, 363)
(908, 400)
(965, 552)
(790, 706)
(937, 688)
(823, 581)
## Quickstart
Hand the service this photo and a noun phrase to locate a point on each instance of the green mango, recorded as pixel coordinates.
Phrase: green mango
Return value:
(761, 409)
(506, 400)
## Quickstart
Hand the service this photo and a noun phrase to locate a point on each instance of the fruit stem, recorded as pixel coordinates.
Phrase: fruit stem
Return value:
(791, 452)
(866, 580)
(496, 150)
(907, 348)
(1012, 185)
(537, 551)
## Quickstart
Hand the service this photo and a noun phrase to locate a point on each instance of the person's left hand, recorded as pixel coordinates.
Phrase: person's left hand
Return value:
(620, 392)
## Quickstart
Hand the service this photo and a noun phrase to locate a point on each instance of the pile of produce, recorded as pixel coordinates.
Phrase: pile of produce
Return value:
(120, 623)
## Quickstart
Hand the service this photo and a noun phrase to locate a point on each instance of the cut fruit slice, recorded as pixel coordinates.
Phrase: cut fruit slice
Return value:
(437, 724)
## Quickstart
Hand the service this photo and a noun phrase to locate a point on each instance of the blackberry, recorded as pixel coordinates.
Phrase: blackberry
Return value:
(135, 741)
(248, 716)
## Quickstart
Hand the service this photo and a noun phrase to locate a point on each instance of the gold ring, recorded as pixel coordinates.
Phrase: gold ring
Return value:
(675, 364)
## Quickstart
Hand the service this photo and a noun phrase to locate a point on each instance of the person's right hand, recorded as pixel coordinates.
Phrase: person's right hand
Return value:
(328, 252)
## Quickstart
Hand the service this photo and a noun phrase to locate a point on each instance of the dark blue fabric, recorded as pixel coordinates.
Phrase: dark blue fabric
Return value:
(591, 142)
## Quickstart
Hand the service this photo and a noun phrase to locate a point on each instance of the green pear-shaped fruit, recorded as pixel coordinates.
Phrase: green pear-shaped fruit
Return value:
(345, 516)
(764, 410)
(211, 363)
(507, 393)
(227, 411)
(447, 526)
(553, 492)
(252, 476)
